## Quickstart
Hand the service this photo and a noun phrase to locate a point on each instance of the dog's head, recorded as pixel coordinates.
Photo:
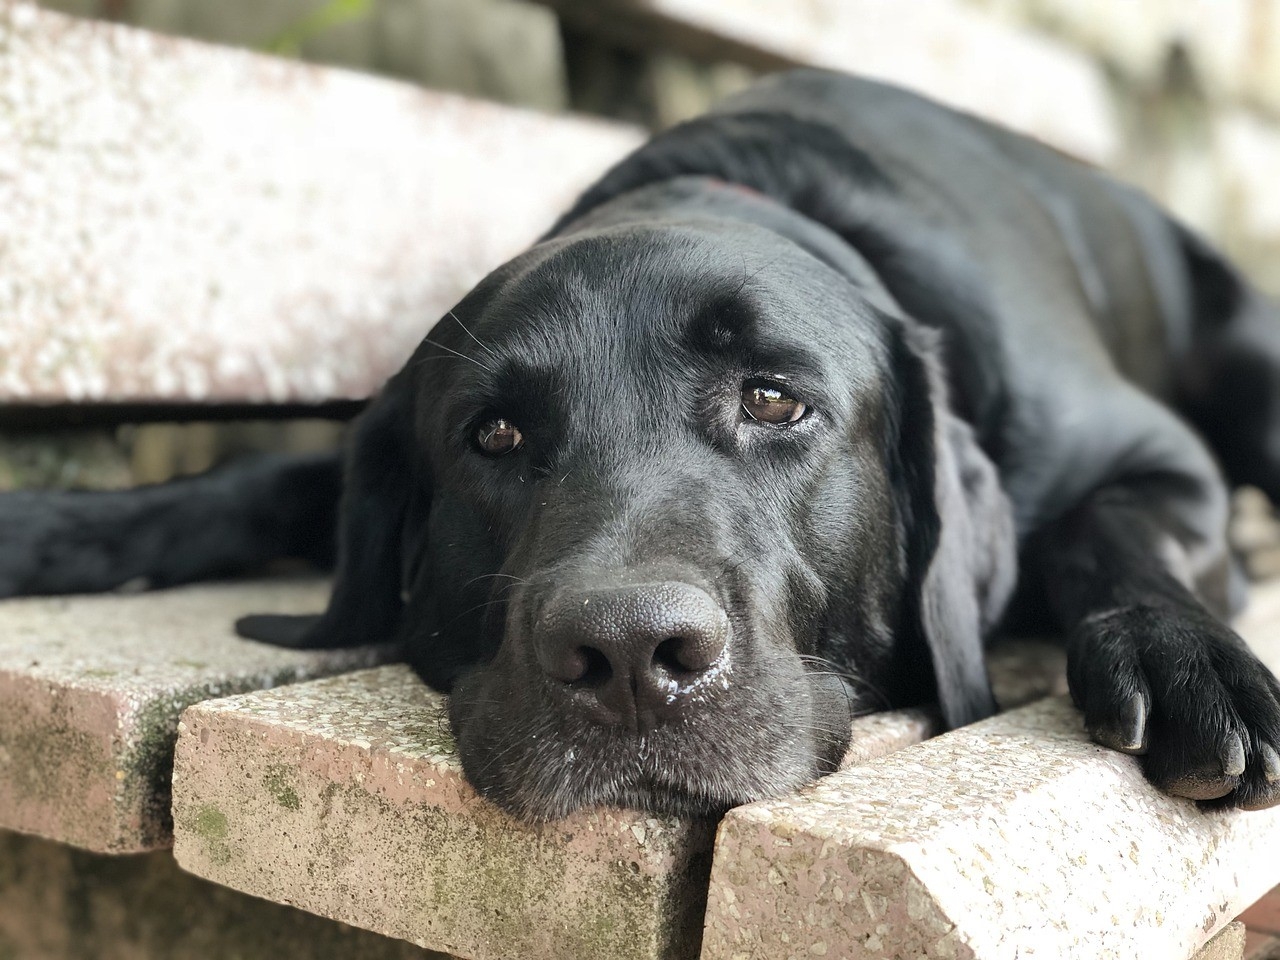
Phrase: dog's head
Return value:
(662, 504)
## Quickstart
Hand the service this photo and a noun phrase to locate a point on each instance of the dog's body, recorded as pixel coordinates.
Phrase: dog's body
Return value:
(791, 385)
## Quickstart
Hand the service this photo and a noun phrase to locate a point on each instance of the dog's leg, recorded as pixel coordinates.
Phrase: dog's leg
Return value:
(228, 521)
(1155, 672)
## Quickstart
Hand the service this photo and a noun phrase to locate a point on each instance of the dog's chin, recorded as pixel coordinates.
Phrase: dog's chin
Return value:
(679, 794)
(540, 772)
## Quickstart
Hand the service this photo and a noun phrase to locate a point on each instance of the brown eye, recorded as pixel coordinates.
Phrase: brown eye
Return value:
(496, 437)
(767, 403)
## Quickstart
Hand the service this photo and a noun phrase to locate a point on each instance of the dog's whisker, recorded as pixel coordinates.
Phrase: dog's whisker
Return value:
(494, 576)
(483, 346)
(461, 356)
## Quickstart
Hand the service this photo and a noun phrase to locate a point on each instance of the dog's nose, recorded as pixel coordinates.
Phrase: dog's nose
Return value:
(632, 655)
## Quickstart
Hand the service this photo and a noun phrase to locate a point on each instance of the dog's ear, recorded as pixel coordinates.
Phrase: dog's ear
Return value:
(380, 484)
(961, 549)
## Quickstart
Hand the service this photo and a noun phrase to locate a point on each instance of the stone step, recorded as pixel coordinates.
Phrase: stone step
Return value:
(91, 689)
(1012, 837)
(945, 49)
(185, 223)
(60, 903)
(345, 797)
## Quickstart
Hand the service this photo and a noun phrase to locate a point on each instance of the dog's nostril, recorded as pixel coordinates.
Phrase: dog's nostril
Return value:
(691, 652)
(596, 669)
(672, 656)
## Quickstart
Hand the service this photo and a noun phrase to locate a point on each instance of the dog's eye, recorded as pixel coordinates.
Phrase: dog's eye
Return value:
(766, 402)
(498, 436)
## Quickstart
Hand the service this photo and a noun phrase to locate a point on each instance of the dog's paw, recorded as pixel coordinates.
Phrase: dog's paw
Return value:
(281, 630)
(1183, 690)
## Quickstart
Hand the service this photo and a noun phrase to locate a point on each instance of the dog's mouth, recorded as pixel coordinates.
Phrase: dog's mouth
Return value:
(546, 767)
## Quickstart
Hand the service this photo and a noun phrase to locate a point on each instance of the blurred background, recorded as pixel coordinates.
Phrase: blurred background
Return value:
(1181, 97)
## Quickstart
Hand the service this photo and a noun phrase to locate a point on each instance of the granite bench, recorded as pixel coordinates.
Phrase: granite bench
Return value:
(197, 225)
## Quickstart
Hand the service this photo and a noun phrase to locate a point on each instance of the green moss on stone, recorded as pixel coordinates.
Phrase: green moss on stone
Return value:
(277, 783)
(53, 763)
(72, 904)
(210, 824)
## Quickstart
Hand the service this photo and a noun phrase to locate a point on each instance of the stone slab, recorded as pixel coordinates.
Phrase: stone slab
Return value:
(91, 689)
(187, 223)
(942, 48)
(1012, 837)
(60, 903)
(1227, 944)
(345, 797)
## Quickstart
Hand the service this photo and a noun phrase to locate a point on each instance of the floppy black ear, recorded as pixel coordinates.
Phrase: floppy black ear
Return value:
(379, 483)
(961, 546)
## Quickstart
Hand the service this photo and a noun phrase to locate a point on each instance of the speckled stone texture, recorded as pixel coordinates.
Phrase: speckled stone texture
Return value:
(181, 222)
(945, 49)
(1013, 837)
(345, 797)
(1227, 944)
(1016, 834)
(91, 689)
(59, 903)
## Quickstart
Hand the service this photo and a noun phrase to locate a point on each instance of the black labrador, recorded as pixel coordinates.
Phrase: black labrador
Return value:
(760, 436)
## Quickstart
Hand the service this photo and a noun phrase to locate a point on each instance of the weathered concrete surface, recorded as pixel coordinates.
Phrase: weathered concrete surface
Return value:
(59, 903)
(1015, 834)
(1227, 944)
(907, 853)
(91, 689)
(880, 734)
(942, 48)
(181, 222)
(1026, 669)
(345, 797)
(1012, 837)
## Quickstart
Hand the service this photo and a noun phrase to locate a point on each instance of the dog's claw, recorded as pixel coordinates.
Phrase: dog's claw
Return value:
(1126, 731)
(1270, 761)
(1232, 756)
(1133, 721)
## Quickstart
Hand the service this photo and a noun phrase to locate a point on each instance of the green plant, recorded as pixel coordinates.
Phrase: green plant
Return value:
(333, 13)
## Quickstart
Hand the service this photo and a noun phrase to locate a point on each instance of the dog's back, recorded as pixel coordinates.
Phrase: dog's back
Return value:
(1077, 316)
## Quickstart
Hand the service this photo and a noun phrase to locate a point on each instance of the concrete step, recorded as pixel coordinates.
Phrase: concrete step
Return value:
(91, 689)
(188, 223)
(345, 797)
(945, 49)
(60, 903)
(1012, 837)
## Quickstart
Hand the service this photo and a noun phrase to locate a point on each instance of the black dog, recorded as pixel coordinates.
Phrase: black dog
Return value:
(757, 438)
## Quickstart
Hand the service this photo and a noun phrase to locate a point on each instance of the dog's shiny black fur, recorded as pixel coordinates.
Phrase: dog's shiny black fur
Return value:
(1010, 362)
